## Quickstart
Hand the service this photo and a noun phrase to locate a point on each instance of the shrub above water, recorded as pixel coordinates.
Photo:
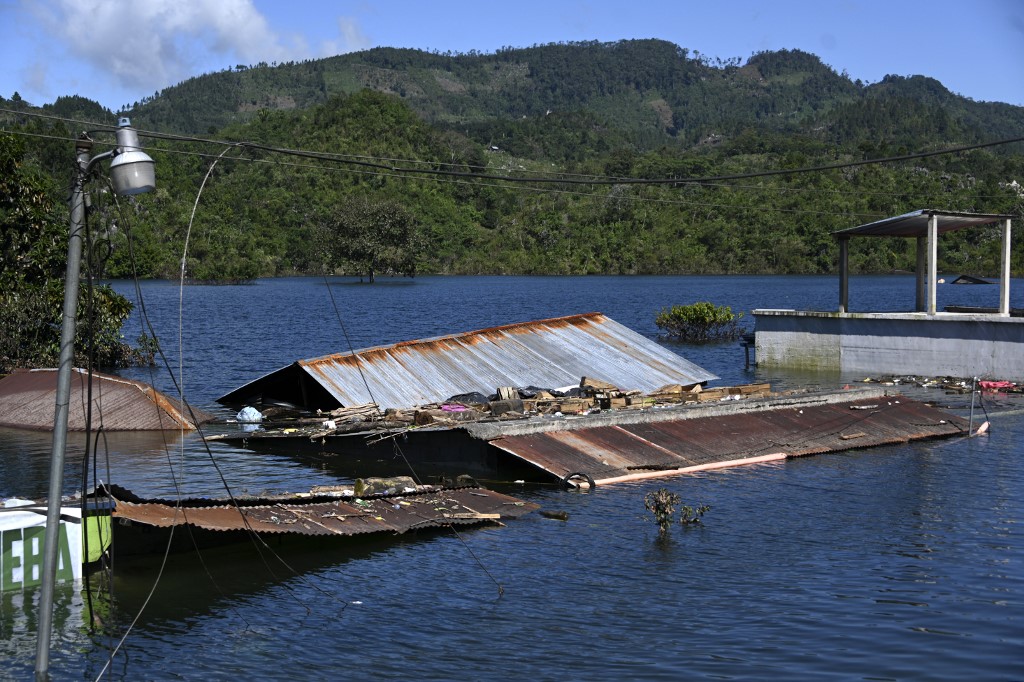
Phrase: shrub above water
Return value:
(701, 322)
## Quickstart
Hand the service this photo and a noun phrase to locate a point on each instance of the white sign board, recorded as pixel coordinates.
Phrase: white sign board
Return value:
(22, 538)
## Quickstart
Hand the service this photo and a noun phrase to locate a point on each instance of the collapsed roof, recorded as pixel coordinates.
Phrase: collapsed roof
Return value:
(28, 400)
(550, 353)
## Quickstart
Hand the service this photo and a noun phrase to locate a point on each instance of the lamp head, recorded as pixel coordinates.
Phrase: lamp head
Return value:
(131, 169)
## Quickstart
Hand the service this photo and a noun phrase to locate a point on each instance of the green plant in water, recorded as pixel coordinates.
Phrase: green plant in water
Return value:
(662, 503)
(701, 322)
(690, 515)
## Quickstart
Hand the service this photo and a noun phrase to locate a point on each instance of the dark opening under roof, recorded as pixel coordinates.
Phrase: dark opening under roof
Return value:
(915, 224)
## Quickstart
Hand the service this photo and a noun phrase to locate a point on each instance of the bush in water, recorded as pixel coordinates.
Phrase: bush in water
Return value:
(701, 322)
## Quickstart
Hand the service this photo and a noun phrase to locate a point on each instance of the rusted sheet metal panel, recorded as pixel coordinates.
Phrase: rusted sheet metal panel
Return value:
(601, 452)
(607, 452)
(27, 399)
(549, 353)
(915, 224)
(329, 516)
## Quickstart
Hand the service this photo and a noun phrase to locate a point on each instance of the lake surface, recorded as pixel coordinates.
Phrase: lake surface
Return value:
(902, 562)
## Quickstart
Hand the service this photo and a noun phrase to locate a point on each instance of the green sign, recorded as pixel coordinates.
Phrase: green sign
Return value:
(21, 557)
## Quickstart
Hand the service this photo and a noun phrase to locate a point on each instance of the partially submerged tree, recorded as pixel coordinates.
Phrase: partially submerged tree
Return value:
(701, 322)
(662, 504)
(368, 237)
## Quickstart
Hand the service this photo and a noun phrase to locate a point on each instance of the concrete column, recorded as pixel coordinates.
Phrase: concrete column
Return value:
(933, 257)
(921, 273)
(844, 274)
(1004, 274)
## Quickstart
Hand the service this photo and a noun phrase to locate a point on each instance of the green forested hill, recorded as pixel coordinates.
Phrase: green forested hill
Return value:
(614, 112)
(651, 91)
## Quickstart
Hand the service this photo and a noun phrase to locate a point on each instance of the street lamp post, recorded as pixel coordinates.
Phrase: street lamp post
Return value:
(131, 171)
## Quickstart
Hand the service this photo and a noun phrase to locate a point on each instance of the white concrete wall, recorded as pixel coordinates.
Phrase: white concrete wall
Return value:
(946, 344)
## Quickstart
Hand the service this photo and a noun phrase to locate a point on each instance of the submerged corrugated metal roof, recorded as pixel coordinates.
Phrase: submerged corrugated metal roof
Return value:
(28, 397)
(324, 515)
(915, 224)
(551, 353)
(611, 453)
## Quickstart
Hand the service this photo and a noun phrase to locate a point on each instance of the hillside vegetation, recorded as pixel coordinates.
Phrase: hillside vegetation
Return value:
(427, 135)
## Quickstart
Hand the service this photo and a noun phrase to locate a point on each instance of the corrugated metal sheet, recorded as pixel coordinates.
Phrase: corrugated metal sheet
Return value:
(608, 453)
(327, 515)
(549, 353)
(27, 399)
(915, 224)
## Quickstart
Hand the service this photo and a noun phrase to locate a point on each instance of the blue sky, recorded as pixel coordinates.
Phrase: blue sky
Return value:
(118, 51)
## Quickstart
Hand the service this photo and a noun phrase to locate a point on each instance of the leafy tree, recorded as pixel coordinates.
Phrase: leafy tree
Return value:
(701, 322)
(642, 109)
(33, 246)
(369, 237)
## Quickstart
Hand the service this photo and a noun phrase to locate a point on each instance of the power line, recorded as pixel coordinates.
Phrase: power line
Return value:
(562, 179)
(400, 169)
(684, 203)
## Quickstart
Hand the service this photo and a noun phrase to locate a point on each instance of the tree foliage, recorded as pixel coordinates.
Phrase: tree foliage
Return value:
(368, 237)
(700, 322)
(34, 242)
(420, 130)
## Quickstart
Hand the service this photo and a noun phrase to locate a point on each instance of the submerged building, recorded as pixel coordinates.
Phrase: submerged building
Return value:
(923, 340)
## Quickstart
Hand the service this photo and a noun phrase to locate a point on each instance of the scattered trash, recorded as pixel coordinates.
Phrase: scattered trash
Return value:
(592, 396)
(374, 486)
(249, 415)
(949, 384)
(473, 398)
(996, 385)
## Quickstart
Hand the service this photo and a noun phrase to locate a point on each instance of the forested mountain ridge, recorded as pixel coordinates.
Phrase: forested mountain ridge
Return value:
(632, 110)
(651, 91)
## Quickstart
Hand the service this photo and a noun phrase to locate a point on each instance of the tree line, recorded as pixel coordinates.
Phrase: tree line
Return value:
(396, 185)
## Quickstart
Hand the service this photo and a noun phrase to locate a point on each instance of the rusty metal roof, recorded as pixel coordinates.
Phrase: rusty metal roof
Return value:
(624, 451)
(325, 515)
(550, 353)
(27, 400)
(915, 224)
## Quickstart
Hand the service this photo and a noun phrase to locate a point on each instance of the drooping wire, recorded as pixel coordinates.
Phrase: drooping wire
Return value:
(674, 182)
(180, 387)
(437, 169)
(396, 448)
(261, 546)
(144, 315)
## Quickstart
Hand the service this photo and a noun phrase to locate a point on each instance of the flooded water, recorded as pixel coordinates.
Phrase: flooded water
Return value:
(891, 563)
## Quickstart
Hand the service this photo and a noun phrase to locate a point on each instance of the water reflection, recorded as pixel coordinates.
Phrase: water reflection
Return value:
(24, 471)
(870, 563)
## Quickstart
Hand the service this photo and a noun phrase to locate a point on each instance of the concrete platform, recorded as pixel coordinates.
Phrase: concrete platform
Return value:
(939, 344)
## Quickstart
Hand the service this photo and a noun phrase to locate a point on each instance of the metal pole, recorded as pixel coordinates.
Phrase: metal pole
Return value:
(133, 175)
(1004, 271)
(974, 394)
(933, 261)
(844, 274)
(60, 416)
(921, 275)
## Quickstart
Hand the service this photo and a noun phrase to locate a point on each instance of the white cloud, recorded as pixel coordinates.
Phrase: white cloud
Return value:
(149, 44)
(120, 50)
(350, 39)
